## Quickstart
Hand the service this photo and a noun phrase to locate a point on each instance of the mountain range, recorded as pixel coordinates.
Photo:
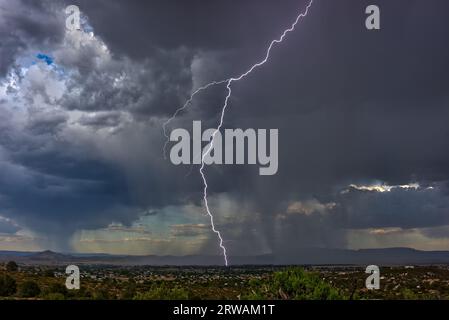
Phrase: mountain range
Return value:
(306, 256)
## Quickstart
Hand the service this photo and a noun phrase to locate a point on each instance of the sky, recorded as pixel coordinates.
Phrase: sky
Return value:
(362, 118)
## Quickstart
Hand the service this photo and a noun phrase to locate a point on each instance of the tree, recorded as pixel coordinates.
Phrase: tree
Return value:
(8, 286)
(12, 266)
(29, 289)
(294, 284)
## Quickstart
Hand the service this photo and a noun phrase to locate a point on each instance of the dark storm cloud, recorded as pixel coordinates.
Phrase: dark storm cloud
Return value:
(209, 25)
(55, 179)
(351, 106)
(64, 201)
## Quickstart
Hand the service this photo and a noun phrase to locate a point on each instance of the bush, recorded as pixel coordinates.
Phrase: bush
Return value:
(8, 286)
(294, 284)
(29, 289)
(163, 293)
(408, 294)
(56, 288)
(12, 266)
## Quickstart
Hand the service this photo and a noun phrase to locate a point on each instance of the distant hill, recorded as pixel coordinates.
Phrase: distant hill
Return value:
(306, 256)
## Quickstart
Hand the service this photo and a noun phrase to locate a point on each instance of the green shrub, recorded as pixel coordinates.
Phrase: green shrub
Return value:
(8, 286)
(56, 288)
(29, 289)
(293, 284)
(408, 294)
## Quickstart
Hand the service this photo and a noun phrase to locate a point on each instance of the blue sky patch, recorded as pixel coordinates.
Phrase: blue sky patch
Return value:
(47, 59)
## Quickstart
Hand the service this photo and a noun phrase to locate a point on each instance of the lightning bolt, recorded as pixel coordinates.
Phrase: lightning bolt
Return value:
(228, 83)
